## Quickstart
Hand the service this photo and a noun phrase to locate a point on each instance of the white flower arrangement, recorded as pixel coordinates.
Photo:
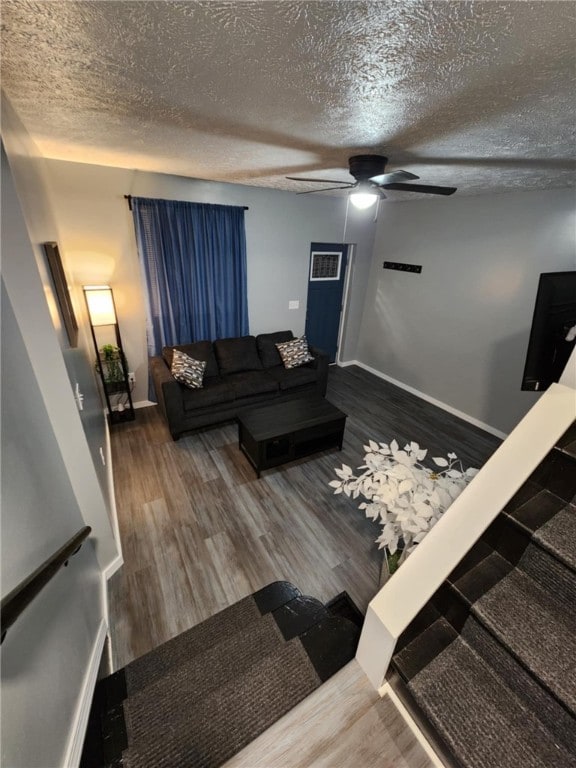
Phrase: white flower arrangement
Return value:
(406, 497)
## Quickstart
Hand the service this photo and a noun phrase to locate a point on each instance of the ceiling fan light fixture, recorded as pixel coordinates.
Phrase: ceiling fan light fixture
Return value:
(363, 200)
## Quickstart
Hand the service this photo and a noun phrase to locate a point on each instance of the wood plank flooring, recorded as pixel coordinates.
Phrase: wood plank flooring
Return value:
(342, 722)
(199, 531)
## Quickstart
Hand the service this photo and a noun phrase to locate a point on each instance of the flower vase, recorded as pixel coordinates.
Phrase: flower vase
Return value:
(390, 564)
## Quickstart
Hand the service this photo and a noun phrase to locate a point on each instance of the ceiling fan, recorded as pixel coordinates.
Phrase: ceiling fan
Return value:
(368, 171)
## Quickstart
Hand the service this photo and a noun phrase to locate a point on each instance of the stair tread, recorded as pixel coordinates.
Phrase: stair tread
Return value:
(556, 472)
(482, 722)
(538, 510)
(536, 698)
(425, 647)
(558, 536)
(183, 685)
(536, 628)
(480, 579)
(223, 722)
(298, 615)
(146, 669)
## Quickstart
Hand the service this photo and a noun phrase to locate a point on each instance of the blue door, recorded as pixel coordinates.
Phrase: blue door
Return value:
(325, 288)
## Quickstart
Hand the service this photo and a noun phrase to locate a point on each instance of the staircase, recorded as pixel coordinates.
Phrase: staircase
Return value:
(488, 667)
(198, 699)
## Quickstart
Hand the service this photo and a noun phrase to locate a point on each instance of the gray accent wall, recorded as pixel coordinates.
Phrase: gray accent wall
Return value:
(458, 332)
(50, 484)
(97, 234)
(27, 222)
(47, 651)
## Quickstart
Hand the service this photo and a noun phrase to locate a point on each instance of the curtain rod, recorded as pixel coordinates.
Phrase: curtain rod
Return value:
(129, 198)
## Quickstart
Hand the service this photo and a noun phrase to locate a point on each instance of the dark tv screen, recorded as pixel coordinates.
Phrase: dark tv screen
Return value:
(553, 332)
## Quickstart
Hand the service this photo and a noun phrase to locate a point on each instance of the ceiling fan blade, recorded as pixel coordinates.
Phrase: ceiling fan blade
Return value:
(324, 189)
(391, 178)
(425, 188)
(322, 181)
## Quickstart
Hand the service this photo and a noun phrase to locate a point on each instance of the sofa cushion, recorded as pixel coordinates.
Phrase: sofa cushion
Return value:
(289, 378)
(237, 355)
(294, 353)
(186, 370)
(199, 350)
(250, 383)
(214, 392)
(266, 344)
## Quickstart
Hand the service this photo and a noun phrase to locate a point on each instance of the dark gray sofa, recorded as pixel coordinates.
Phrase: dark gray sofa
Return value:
(240, 372)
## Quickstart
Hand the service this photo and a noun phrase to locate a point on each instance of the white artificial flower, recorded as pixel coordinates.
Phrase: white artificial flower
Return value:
(405, 497)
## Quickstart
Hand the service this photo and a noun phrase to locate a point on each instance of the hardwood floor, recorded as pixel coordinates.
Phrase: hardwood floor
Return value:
(199, 531)
(343, 717)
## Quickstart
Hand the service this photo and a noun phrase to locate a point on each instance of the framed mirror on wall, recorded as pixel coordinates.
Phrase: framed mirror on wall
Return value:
(62, 293)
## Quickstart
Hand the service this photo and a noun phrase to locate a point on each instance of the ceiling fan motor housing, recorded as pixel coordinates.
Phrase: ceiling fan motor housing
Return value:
(363, 167)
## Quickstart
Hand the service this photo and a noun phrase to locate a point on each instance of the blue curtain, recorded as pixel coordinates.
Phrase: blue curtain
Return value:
(193, 258)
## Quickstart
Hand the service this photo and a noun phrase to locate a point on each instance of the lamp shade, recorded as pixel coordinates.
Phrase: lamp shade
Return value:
(100, 304)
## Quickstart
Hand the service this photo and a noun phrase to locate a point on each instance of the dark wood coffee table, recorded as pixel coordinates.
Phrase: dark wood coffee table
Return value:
(274, 434)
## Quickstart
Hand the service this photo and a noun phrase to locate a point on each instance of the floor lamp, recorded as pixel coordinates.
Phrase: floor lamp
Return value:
(110, 359)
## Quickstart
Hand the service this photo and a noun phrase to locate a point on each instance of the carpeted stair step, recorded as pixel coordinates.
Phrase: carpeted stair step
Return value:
(423, 649)
(537, 510)
(481, 721)
(224, 721)
(147, 669)
(557, 474)
(201, 697)
(536, 699)
(558, 536)
(482, 578)
(298, 615)
(183, 686)
(551, 574)
(538, 629)
(331, 644)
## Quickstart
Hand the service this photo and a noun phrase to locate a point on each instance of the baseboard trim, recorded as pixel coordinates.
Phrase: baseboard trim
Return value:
(112, 494)
(387, 690)
(432, 400)
(118, 561)
(143, 404)
(80, 723)
(112, 567)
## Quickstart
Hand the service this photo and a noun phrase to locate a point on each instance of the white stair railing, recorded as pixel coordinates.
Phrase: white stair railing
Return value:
(407, 592)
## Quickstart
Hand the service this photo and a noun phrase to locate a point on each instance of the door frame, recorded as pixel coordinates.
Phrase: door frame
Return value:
(350, 254)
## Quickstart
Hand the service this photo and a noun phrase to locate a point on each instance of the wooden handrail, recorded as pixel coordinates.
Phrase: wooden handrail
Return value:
(21, 596)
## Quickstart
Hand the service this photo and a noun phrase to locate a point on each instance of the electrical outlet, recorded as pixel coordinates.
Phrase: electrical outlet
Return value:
(132, 377)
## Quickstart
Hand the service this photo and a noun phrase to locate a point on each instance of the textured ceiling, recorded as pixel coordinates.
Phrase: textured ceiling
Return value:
(479, 95)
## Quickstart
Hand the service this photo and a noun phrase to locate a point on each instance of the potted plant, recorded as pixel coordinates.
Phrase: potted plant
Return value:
(111, 359)
(405, 497)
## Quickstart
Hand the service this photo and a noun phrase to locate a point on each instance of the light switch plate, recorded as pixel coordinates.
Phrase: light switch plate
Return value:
(294, 304)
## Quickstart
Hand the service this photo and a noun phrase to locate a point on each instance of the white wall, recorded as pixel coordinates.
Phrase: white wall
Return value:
(97, 234)
(459, 331)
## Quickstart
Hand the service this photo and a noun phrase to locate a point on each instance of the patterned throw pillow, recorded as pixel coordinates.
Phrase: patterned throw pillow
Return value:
(295, 352)
(186, 370)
